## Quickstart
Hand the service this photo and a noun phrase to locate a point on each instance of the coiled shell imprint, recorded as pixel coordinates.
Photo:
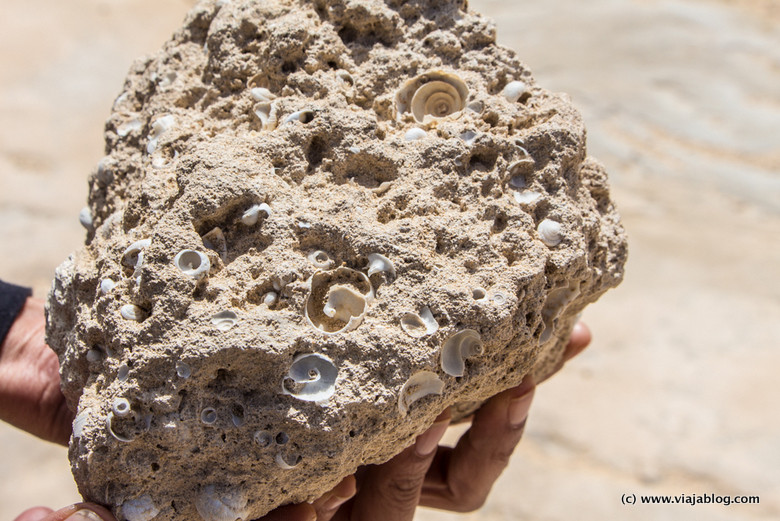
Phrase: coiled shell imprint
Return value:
(457, 348)
(338, 300)
(419, 385)
(436, 94)
(418, 326)
(311, 378)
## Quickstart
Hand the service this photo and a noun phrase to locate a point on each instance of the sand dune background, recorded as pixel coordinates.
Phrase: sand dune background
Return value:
(678, 393)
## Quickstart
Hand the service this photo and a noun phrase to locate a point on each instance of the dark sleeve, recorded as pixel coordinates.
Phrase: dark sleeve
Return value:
(12, 299)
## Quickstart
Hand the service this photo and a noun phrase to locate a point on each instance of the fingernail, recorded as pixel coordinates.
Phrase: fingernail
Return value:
(84, 515)
(428, 441)
(518, 409)
(341, 494)
(334, 503)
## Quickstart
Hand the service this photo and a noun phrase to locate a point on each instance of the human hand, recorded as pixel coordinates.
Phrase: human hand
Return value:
(30, 395)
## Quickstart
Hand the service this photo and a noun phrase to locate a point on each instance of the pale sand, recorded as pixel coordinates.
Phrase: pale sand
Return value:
(677, 393)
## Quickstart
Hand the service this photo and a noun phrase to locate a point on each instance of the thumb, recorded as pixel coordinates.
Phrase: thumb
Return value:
(77, 512)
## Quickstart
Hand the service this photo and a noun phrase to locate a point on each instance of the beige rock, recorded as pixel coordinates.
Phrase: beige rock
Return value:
(268, 225)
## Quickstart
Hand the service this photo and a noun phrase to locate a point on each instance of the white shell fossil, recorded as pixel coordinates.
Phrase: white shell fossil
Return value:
(110, 429)
(527, 197)
(132, 256)
(213, 505)
(418, 326)
(270, 298)
(379, 263)
(346, 77)
(550, 232)
(121, 407)
(107, 285)
(263, 438)
(457, 348)
(266, 113)
(320, 259)
(140, 509)
(419, 385)
(224, 320)
(85, 218)
(556, 303)
(94, 355)
(262, 94)
(129, 127)
(312, 378)
(192, 263)
(514, 90)
(304, 116)
(252, 215)
(414, 134)
(208, 416)
(469, 137)
(80, 421)
(132, 312)
(183, 370)
(338, 300)
(287, 461)
(436, 94)
(344, 303)
(159, 127)
(215, 241)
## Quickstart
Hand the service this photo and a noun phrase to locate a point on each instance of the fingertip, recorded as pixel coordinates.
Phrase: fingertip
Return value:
(579, 340)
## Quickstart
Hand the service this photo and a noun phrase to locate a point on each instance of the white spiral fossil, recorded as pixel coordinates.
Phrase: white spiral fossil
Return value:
(437, 94)
(311, 377)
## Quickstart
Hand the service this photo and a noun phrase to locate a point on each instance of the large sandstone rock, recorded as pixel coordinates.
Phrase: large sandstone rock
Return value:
(319, 223)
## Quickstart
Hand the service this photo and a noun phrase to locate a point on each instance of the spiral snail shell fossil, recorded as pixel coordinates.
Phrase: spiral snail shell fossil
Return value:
(436, 93)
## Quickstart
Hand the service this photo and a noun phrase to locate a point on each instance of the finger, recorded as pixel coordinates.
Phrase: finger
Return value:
(327, 506)
(391, 491)
(579, 340)
(461, 478)
(300, 512)
(77, 512)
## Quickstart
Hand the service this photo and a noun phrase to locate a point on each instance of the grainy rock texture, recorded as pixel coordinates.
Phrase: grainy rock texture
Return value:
(319, 223)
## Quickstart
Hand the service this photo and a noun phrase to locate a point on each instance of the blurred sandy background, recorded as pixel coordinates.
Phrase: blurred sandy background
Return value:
(679, 392)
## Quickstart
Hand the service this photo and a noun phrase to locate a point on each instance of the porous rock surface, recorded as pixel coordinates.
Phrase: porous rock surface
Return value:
(280, 145)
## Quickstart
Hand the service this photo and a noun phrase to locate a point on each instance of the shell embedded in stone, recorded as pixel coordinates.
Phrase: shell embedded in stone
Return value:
(141, 508)
(192, 263)
(132, 312)
(437, 94)
(418, 326)
(311, 377)
(320, 259)
(380, 264)
(224, 320)
(514, 90)
(338, 300)
(159, 127)
(413, 134)
(216, 505)
(85, 218)
(421, 384)
(457, 349)
(550, 232)
(215, 241)
(252, 215)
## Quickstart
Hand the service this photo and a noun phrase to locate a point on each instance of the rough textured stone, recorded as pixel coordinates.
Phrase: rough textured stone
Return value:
(493, 219)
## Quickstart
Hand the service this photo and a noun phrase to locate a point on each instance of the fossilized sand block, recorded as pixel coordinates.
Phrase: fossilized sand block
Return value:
(319, 223)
